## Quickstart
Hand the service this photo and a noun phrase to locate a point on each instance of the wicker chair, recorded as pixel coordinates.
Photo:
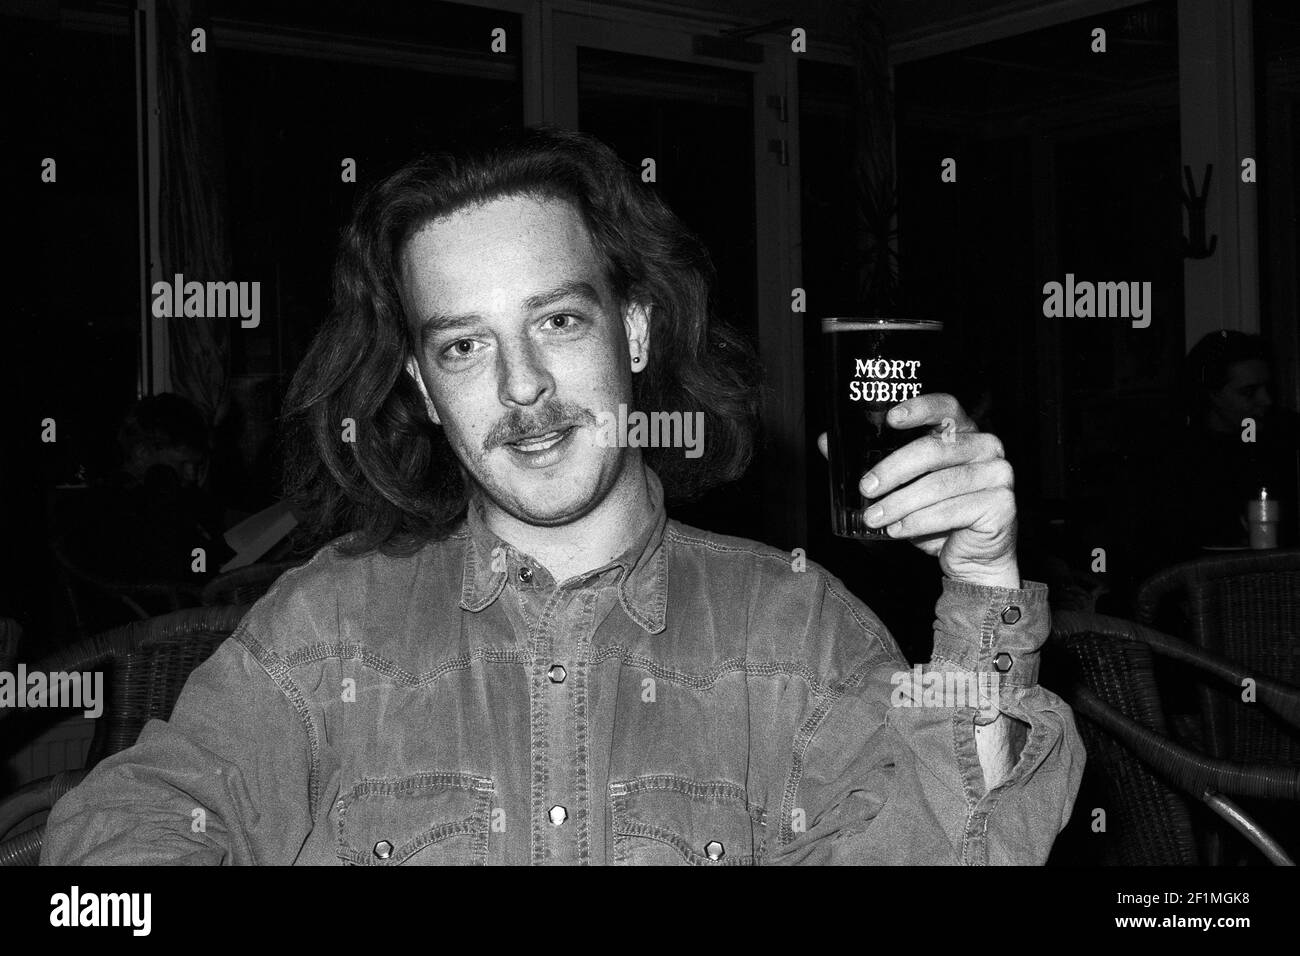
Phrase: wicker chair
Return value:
(1109, 681)
(148, 663)
(1245, 607)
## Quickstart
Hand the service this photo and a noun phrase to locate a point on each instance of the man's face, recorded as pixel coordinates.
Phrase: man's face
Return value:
(1245, 395)
(520, 346)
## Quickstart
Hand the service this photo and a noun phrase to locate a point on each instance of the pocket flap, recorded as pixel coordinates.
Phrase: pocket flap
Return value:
(385, 821)
(708, 823)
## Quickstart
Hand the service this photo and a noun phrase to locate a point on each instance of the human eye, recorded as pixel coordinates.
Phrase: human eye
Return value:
(460, 349)
(563, 322)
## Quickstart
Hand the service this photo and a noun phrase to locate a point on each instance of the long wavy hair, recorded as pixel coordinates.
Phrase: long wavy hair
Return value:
(398, 484)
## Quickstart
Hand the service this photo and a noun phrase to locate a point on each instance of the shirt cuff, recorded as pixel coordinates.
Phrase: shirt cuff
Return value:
(992, 630)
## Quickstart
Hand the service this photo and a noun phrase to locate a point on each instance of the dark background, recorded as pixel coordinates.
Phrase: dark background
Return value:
(1068, 162)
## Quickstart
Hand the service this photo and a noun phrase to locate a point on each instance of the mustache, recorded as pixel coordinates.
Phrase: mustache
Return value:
(517, 423)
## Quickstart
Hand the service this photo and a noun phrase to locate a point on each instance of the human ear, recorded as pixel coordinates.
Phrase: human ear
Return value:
(636, 324)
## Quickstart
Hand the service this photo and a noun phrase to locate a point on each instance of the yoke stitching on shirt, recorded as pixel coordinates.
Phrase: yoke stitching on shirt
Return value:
(359, 652)
(706, 679)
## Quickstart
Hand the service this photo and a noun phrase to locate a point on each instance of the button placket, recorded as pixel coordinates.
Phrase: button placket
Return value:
(565, 786)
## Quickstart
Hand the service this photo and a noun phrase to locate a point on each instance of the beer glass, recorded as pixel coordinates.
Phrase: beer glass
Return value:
(870, 365)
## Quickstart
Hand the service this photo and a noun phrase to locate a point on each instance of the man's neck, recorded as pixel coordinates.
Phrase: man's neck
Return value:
(593, 540)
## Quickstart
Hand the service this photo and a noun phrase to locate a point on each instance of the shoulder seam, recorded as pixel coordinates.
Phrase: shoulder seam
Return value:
(275, 668)
(848, 606)
(803, 740)
(781, 558)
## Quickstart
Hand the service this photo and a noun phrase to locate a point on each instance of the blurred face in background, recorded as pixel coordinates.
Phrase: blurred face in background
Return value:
(1246, 394)
(189, 464)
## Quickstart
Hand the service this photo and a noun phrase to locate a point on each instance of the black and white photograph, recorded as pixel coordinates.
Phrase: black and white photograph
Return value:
(639, 433)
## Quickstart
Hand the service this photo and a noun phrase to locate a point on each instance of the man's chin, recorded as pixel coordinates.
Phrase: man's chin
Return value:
(549, 502)
(547, 511)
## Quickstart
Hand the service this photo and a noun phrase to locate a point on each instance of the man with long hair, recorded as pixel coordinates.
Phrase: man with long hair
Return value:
(508, 654)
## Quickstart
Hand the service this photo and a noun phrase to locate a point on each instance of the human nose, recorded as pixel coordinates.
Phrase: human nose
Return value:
(523, 378)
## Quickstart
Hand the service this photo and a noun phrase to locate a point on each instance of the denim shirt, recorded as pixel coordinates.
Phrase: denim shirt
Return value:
(700, 699)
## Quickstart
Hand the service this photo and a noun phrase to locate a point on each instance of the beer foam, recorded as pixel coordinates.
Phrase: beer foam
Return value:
(881, 325)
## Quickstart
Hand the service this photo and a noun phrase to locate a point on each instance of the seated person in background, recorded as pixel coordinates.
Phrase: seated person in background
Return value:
(145, 521)
(1229, 379)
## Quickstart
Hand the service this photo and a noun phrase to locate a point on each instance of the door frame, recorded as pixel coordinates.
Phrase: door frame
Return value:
(562, 26)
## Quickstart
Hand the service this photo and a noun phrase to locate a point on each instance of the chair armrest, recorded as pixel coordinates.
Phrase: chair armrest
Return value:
(1153, 591)
(35, 797)
(24, 849)
(1281, 699)
(1193, 772)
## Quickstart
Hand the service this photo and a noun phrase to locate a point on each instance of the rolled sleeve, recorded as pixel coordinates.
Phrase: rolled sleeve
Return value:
(887, 782)
(992, 630)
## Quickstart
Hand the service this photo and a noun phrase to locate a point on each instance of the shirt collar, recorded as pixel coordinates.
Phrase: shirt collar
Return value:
(642, 568)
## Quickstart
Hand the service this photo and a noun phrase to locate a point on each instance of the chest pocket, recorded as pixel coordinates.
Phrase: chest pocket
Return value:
(665, 820)
(427, 818)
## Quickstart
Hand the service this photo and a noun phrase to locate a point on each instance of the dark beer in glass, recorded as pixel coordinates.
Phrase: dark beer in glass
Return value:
(869, 366)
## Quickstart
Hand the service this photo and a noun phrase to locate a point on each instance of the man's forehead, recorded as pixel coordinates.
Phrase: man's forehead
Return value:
(502, 253)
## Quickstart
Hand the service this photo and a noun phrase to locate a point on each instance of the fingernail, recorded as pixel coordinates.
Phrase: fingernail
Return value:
(899, 414)
(895, 529)
(869, 484)
(874, 514)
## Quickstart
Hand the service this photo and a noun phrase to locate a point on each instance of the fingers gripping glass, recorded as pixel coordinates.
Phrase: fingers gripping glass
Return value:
(869, 366)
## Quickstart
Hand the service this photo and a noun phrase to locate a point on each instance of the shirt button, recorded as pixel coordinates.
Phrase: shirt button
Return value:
(557, 814)
(1010, 614)
(525, 574)
(557, 673)
(714, 850)
(1002, 662)
(383, 850)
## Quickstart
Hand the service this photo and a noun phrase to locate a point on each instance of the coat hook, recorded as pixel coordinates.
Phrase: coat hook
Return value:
(1195, 247)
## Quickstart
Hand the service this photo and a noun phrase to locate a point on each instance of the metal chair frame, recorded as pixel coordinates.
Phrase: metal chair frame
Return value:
(1209, 779)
